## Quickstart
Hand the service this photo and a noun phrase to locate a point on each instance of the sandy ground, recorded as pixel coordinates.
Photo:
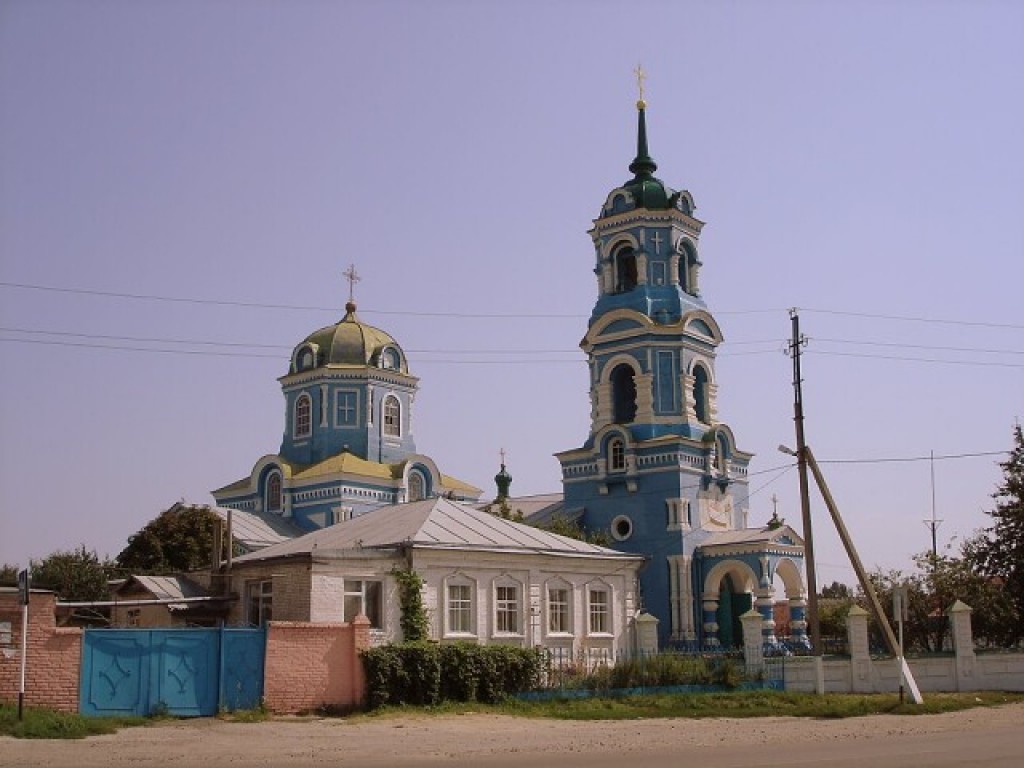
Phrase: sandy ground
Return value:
(990, 737)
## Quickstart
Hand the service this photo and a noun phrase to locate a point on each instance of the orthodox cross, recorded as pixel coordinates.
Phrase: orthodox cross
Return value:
(656, 239)
(502, 453)
(353, 277)
(640, 77)
(775, 505)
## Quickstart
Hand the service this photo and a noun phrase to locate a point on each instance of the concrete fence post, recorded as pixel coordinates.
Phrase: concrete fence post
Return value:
(860, 650)
(753, 640)
(963, 646)
(646, 634)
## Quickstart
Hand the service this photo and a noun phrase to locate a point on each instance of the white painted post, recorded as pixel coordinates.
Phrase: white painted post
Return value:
(963, 646)
(860, 652)
(753, 640)
(646, 634)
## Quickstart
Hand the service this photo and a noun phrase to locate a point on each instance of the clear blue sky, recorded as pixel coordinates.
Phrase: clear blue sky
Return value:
(861, 161)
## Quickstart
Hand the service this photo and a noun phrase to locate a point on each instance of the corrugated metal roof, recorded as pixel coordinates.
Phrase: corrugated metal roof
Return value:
(256, 530)
(764, 535)
(166, 588)
(432, 523)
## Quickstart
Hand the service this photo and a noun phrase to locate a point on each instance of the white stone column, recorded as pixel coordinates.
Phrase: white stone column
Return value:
(753, 640)
(860, 652)
(646, 634)
(644, 397)
(963, 647)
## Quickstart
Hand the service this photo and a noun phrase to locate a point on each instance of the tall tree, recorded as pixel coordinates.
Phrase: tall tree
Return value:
(74, 575)
(998, 551)
(8, 575)
(179, 539)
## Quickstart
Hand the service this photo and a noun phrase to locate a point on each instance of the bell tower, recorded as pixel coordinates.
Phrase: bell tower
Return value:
(659, 469)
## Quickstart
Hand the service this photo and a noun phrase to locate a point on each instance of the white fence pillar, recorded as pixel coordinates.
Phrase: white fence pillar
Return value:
(753, 640)
(860, 650)
(963, 647)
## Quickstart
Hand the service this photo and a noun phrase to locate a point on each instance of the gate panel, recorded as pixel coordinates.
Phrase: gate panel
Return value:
(241, 677)
(115, 672)
(184, 671)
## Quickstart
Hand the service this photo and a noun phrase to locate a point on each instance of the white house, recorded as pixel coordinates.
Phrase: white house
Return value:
(486, 580)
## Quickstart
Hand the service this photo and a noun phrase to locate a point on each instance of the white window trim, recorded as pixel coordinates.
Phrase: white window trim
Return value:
(266, 492)
(612, 444)
(520, 616)
(383, 417)
(569, 612)
(459, 581)
(364, 580)
(265, 595)
(609, 631)
(296, 435)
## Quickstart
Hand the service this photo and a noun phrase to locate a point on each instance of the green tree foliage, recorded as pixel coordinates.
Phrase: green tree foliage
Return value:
(837, 591)
(179, 539)
(76, 575)
(8, 575)
(998, 551)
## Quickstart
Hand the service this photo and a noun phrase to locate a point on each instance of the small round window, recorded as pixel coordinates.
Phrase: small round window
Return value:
(622, 528)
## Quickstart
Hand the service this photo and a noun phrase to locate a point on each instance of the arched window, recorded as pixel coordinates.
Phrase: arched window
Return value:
(303, 411)
(722, 455)
(623, 394)
(625, 269)
(274, 492)
(392, 416)
(389, 359)
(700, 394)
(417, 488)
(616, 454)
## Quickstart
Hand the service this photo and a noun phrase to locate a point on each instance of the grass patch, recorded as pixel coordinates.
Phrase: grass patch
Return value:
(699, 705)
(48, 724)
(752, 704)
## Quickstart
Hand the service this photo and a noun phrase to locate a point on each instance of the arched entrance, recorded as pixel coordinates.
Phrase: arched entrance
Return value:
(731, 605)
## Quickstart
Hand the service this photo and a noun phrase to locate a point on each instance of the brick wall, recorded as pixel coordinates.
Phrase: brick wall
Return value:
(54, 655)
(310, 666)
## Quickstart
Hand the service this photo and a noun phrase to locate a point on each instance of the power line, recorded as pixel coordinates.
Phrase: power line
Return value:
(912, 319)
(988, 363)
(906, 459)
(471, 315)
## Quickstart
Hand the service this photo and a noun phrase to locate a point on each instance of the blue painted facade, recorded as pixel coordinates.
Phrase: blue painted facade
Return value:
(348, 444)
(659, 470)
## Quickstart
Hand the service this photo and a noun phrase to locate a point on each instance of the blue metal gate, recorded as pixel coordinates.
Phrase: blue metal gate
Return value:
(183, 672)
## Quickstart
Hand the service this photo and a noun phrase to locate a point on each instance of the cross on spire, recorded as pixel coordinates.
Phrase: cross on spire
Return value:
(502, 453)
(353, 277)
(640, 77)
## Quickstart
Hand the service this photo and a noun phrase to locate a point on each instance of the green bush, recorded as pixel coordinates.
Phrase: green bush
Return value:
(425, 674)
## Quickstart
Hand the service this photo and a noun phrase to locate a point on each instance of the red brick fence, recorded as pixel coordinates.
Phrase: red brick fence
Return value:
(307, 666)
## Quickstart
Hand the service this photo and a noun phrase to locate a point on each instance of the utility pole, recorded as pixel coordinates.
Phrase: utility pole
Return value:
(795, 345)
(933, 524)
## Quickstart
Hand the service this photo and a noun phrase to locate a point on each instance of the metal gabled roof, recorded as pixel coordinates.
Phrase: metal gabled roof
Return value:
(431, 524)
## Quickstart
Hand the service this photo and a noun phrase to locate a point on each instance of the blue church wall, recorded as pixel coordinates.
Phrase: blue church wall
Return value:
(341, 421)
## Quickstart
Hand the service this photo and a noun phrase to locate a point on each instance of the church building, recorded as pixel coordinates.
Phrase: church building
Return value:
(348, 442)
(660, 471)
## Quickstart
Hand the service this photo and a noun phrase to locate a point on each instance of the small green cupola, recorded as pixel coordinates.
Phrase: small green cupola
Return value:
(503, 480)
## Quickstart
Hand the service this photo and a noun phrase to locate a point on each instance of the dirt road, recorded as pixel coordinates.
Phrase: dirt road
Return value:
(978, 737)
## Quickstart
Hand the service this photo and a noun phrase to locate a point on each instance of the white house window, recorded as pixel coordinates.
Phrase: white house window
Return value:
(507, 610)
(303, 414)
(600, 623)
(558, 611)
(259, 602)
(392, 417)
(616, 454)
(460, 609)
(274, 492)
(363, 597)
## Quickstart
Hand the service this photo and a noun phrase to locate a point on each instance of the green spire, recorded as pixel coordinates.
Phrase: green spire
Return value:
(643, 166)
